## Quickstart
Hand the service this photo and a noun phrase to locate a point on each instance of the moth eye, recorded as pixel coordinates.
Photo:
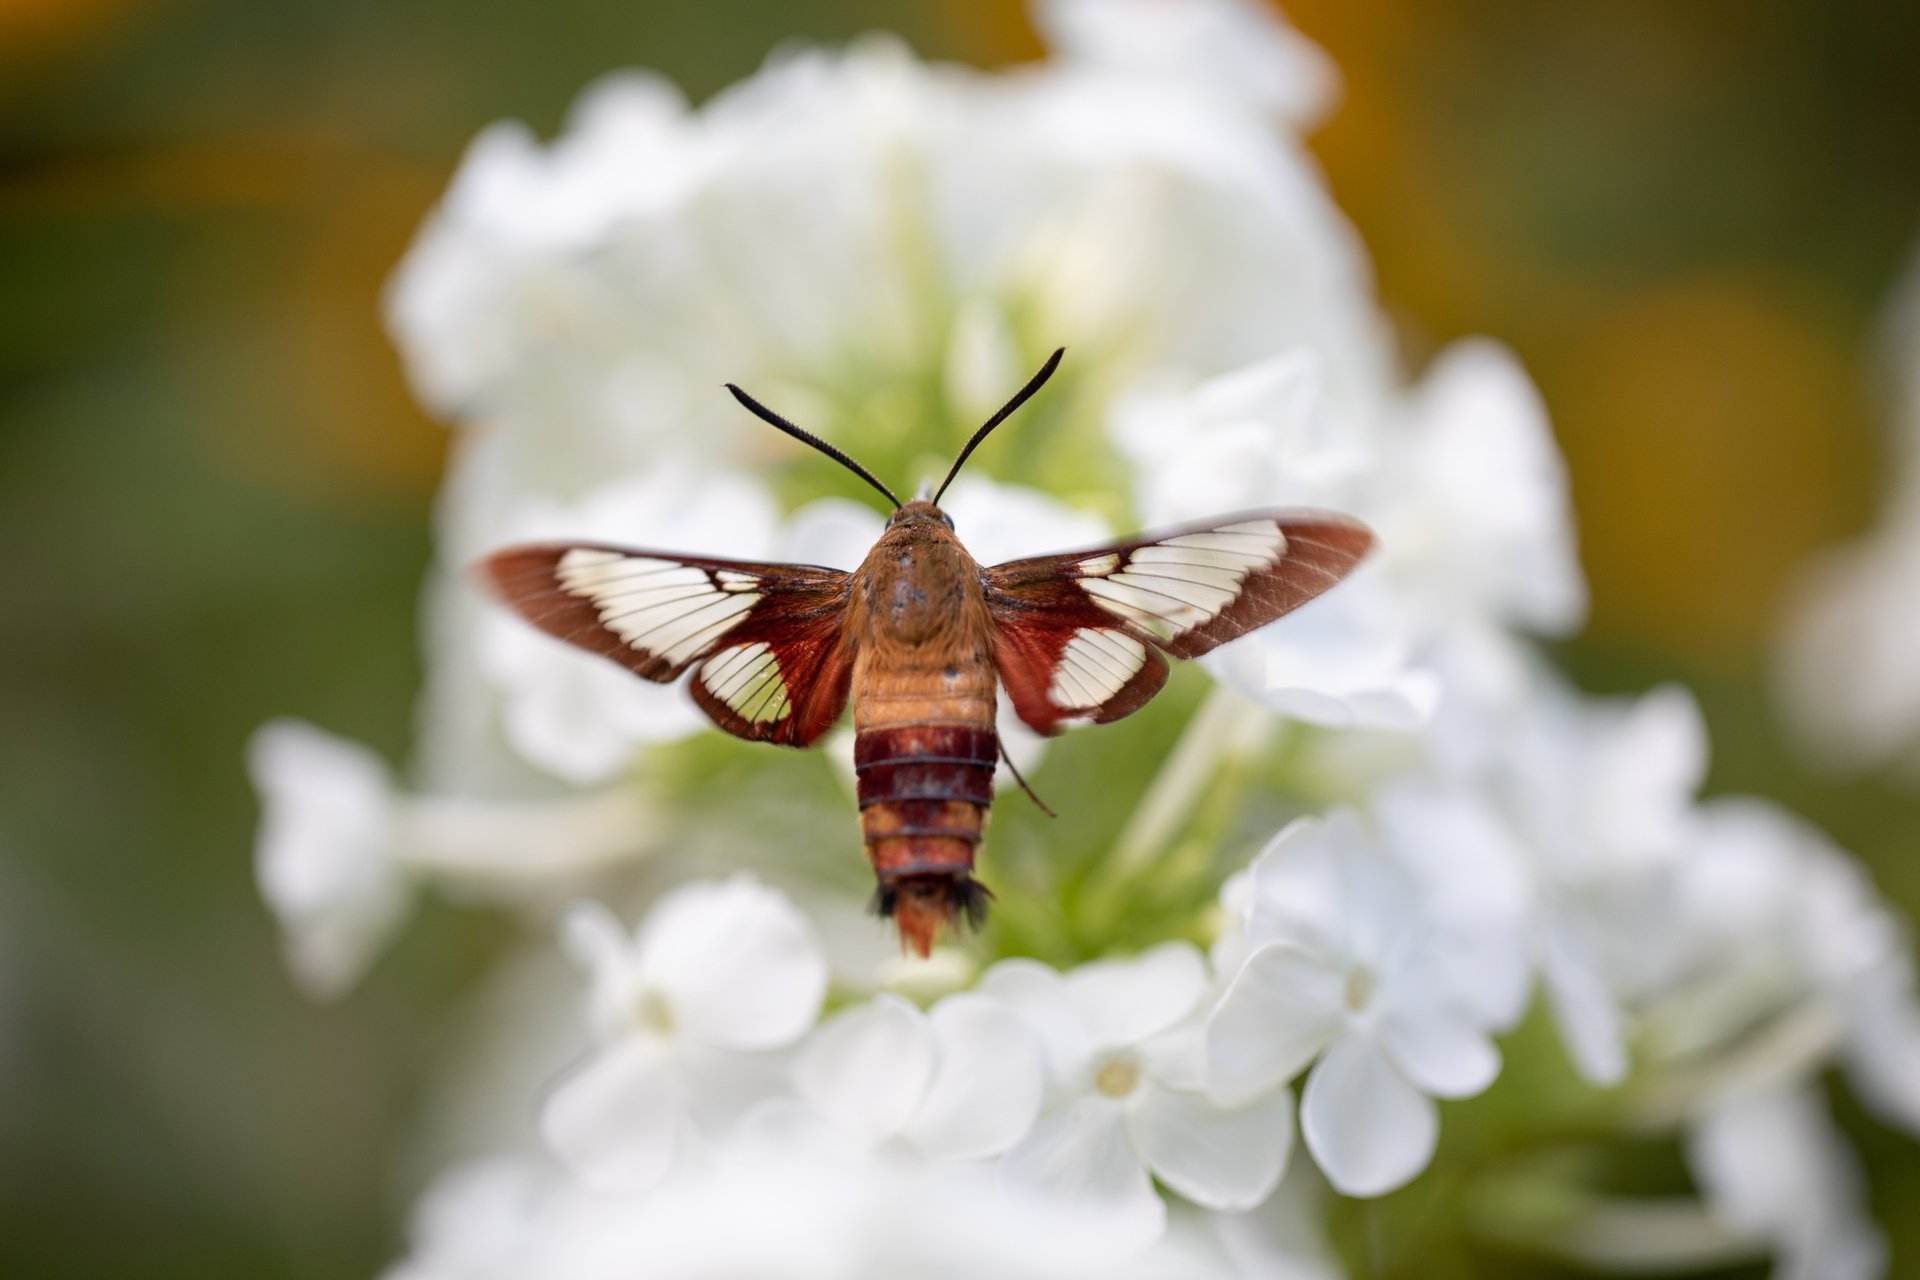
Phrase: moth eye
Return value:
(946, 519)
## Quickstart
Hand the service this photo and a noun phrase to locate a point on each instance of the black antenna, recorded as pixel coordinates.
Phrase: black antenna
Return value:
(773, 419)
(1020, 397)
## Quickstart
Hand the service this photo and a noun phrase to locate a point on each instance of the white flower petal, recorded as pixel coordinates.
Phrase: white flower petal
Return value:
(1348, 662)
(574, 714)
(783, 1127)
(1438, 1051)
(323, 856)
(1283, 1008)
(836, 532)
(1127, 1001)
(1214, 1156)
(1233, 48)
(721, 1085)
(868, 1068)
(1489, 522)
(1883, 1058)
(1298, 892)
(1774, 1167)
(1368, 1129)
(593, 937)
(1583, 1009)
(1079, 1156)
(600, 946)
(615, 1121)
(987, 1088)
(1038, 994)
(738, 963)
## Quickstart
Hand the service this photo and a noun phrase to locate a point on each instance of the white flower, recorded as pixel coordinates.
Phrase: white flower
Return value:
(683, 1011)
(1259, 436)
(324, 851)
(1349, 660)
(1847, 671)
(487, 285)
(808, 233)
(1582, 811)
(1262, 436)
(1228, 47)
(1776, 930)
(959, 1083)
(1342, 970)
(1848, 677)
(340, 851)
(1127, 1100)
(1775, 1169)
(1882, 1045)
(1469, 501)
(1461, 480)
(1601, 794)
(1473, 510)
(481, 1221)
(1281, 1239)
(762, 1210)
(1475, 891)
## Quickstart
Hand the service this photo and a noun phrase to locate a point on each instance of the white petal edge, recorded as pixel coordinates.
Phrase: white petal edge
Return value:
(1214, 1156)
(614, 1122)
(987, 1088)
(1038, 994)
(1584, 1011)
(1126, 1001)
(1284, 1007)
(1079, 1156)
(1369, 1130)
(1439, 1053)
(867, 1069)
(323, 855)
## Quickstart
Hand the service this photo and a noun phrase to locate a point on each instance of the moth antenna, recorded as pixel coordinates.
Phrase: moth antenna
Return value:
(1020, 397)
(773, 419)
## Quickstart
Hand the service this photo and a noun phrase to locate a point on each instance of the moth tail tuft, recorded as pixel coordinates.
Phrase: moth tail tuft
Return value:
(919, 905)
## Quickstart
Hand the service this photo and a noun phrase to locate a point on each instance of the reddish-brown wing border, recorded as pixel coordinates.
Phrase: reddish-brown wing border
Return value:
(799, 616)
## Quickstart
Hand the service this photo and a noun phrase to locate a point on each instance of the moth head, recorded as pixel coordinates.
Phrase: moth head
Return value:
(920, 510)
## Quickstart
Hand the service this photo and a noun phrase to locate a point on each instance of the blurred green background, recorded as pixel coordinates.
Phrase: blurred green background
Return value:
(214, 488)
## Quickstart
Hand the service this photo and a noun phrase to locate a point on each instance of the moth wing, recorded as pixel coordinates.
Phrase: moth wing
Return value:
(765, 641)
(1081, 632)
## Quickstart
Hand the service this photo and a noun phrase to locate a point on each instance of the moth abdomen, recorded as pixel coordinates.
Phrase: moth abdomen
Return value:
(924, 789)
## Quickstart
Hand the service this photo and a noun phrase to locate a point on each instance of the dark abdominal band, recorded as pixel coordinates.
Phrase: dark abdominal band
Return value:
(924, 791)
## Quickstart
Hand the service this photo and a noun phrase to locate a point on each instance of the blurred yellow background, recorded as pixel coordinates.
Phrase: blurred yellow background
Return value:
(214, 486)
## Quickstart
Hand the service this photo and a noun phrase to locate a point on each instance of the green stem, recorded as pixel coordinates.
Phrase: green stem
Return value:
(1225, 727)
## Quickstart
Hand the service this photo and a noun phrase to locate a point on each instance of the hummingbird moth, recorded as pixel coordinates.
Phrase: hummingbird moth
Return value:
(919, 638)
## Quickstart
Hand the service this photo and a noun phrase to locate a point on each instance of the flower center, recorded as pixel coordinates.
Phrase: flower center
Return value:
(1360, 985)
(652, 1012)
(1117, 1077)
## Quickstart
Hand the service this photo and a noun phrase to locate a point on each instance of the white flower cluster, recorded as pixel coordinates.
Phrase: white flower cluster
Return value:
(1850, 668)
(882, 249)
